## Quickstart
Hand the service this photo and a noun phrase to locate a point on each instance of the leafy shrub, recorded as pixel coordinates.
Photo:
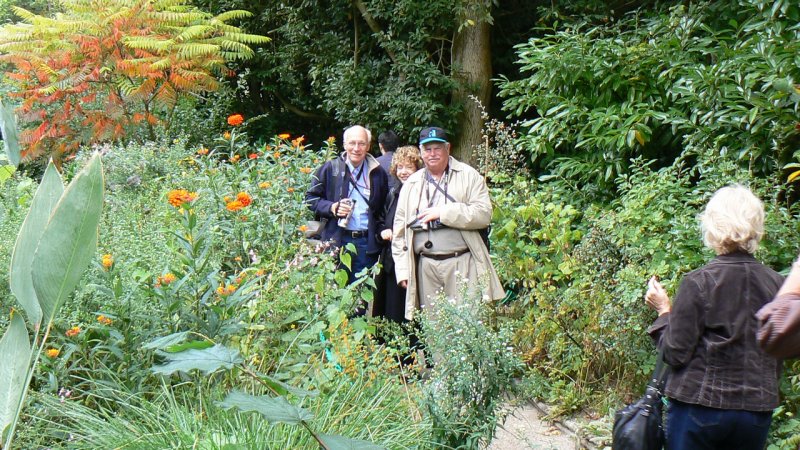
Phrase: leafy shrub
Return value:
(707, 77)
(474, 366)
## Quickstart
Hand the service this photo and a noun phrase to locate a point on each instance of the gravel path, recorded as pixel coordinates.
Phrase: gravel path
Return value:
(524, 430)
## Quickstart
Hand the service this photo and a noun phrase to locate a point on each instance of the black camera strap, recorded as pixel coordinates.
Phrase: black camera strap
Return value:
(353, 182)
(438, 187)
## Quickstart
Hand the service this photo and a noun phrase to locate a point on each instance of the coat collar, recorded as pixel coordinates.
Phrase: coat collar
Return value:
(370, 160)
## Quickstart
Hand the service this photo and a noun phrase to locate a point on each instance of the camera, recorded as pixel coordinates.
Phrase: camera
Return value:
(418, 225)
(344, 220)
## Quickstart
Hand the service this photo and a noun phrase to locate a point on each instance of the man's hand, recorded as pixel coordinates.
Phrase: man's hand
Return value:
(386, 234)
(430, 214)
(341, 209)
(403, 284)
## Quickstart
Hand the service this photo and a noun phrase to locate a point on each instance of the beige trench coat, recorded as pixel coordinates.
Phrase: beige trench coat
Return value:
(471, 212)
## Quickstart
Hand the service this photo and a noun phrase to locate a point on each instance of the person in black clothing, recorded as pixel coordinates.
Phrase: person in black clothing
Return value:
(390, 299)
(347, 193)
(388, 143)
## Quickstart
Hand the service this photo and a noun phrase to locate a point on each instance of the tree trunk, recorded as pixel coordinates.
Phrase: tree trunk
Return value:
(472, 69)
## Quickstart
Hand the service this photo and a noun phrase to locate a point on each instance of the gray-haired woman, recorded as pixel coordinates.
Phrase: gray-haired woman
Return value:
(723, 388)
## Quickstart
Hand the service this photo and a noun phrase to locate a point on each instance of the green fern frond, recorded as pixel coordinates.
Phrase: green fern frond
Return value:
(147, 43)
(194, 32)
(246, 38)
(195, 49)
(233, 15)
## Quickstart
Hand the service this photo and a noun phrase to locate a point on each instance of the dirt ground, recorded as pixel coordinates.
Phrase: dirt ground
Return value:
(524, 430)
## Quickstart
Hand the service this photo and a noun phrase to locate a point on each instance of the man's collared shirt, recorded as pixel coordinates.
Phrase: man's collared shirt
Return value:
(359, 194)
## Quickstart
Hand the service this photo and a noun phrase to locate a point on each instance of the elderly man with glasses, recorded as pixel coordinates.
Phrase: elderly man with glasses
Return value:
(437, 241)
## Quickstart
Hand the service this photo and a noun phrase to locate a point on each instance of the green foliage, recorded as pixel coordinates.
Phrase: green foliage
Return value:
(61, 237)
(474, 367)
(698, 79)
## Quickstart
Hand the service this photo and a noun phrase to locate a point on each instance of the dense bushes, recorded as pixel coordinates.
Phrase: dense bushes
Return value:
(709, 77)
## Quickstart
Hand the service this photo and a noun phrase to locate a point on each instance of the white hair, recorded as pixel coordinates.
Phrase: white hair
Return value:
(348, 130)
(733, 220)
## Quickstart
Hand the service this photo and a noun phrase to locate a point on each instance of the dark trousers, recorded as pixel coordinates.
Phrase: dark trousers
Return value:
(695, 427)
(359, 260)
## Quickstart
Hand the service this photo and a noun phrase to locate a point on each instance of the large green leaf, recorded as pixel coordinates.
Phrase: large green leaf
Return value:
(274, 409)
(8, 125)
(334, 442)
(42, 206)
(15, 356)
(69, 240)
(206, 360)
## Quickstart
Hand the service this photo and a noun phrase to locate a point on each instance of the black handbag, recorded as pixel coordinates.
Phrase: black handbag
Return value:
(639, 426)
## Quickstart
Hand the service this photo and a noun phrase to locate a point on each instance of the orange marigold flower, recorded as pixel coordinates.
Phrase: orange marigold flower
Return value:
(253, 155)
(166, 279)
(226, 135)
(260, 272)
(226, 198)
(235, 158)
(298, 141)
(303, 228)
(202, 151)
(290, 189)
(265, 185)
(107, 261)
(305, 170)
(104, 320)
(235, 120)
(276, 155)
(284, 135)
(331, 140)
(237, 258)
(244, 198)
(226, 289)
(74, 331)
(178, 197)
(234, 205)
(52, 352)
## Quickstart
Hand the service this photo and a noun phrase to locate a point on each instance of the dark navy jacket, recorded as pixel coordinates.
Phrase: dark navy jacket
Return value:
(320, 196)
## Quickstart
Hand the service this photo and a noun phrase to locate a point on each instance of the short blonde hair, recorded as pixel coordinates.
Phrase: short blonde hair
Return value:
(408, 154)
(733, 220)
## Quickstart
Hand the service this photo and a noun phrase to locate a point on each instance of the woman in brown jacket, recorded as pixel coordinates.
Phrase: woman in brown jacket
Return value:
(723, 387)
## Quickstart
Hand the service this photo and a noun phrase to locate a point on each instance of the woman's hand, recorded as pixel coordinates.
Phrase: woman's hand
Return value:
(386, 234)
(656, 297)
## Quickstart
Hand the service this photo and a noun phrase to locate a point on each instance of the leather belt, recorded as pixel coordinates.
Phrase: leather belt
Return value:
(356, 234)
(443, 256)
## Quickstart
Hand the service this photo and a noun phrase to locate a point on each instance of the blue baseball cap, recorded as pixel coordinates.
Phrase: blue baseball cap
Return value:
(432, 134)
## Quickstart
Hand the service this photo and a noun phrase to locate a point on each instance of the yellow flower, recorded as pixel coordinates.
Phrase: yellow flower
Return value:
(330, 140)
(234, 205)
(284, 136)
(265, 185)
(276, 155)
(107, 261)
(305, 170)
(303, 228)
(226, 135)
(235, 158)
(298, 141)
(53, 352)
(104, 320)
(290, 189)
(202, 151)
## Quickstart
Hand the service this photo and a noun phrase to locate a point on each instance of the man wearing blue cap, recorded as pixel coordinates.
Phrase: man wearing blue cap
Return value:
(437, 241)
